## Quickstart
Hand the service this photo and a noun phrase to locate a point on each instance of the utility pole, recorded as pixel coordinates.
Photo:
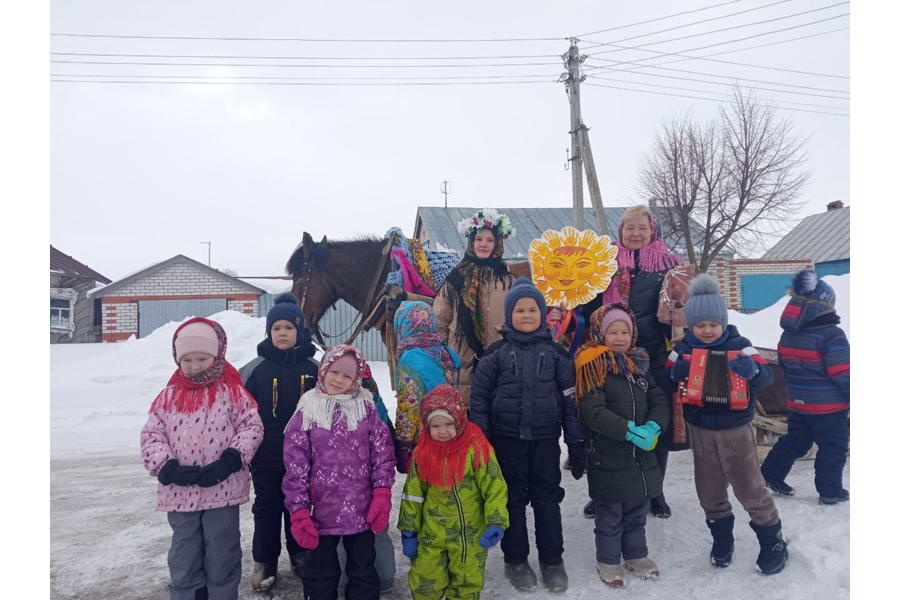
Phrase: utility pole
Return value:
(593, 185)
(445, 189)
(208, 253)
(573, 78)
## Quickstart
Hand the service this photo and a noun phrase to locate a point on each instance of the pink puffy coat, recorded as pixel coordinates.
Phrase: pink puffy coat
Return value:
(198, 438)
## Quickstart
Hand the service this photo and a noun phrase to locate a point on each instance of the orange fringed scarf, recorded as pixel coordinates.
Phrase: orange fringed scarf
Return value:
(443, 464)
(594, 362)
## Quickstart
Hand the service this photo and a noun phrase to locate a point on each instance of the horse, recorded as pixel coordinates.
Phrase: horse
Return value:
(350, 270)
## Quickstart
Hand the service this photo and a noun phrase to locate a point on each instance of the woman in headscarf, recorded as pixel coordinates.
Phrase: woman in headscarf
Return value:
(424, 361)
(469, 306)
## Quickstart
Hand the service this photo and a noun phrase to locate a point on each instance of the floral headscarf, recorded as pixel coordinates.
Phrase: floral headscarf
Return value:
(443, 464)
(334, 353)
(416, 327)
(192, 392)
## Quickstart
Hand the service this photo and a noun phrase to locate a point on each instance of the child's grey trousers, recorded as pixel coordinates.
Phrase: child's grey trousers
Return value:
(205, 551)
(728, 456)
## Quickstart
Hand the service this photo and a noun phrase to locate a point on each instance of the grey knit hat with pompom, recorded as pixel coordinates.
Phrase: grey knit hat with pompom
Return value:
(704, 302)
(807, 283)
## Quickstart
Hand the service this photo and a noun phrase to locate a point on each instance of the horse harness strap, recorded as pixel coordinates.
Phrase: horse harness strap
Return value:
(367, 307)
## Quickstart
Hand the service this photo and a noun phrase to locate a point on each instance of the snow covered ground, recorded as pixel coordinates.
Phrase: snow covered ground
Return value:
(106, 540)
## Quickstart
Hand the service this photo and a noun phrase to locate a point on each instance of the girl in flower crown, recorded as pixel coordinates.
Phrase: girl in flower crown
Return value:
(469, 306)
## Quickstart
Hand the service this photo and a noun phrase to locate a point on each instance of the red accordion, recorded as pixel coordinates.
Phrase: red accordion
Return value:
(711, 383)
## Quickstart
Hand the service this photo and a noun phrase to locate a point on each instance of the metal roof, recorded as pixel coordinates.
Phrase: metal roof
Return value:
(530, 224)
(822, 237)
(64, 263)
(179, 258)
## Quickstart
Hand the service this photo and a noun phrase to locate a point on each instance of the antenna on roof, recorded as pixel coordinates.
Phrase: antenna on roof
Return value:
(445, 189)
(208, 253)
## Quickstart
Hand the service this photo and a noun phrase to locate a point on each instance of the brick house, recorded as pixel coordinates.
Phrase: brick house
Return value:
(71, 310)
(170, 291)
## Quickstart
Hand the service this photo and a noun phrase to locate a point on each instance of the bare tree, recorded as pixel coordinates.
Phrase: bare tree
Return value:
(739, 177)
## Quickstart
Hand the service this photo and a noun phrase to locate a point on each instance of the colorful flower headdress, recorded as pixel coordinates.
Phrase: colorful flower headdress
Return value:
(487, 218)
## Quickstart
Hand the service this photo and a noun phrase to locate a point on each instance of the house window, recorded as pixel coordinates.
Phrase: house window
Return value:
(60, 313)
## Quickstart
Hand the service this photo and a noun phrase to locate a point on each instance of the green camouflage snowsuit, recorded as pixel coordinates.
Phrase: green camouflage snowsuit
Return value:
(450, 562)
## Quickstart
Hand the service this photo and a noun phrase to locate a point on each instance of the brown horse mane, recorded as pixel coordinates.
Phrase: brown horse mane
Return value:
(297, 262)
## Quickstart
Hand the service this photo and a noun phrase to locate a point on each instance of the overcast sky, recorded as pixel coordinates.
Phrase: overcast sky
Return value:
(249, 167)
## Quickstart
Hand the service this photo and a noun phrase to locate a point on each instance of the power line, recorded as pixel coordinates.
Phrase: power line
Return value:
(703, 21)
(731, 62)
(642, 60)
(687, 12)
(308, 78)
(111, 54)
(690, 72)
(733, 27)
(793, 39)
(749, 87)
(706, 98)
(312, 40)
(315, 66)
(554, 81)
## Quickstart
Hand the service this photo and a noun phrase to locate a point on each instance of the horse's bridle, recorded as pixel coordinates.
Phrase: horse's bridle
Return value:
(308, 267)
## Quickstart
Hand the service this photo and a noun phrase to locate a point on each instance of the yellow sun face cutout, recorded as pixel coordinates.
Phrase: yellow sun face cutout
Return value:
(572, 266)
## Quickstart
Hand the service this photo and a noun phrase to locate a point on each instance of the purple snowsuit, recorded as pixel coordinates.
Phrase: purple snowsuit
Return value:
(332, 471)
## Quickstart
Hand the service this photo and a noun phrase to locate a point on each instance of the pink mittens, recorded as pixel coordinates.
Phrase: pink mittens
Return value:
(304, 530)
(379, 510)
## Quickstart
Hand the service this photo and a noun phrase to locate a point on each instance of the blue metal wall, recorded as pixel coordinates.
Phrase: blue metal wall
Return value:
(340, 322)
(155, 313)
(835, 267)
(763, 290)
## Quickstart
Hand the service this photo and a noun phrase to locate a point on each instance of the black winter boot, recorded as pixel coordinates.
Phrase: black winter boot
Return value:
(521, 576)
(660, 508)
(588, 510)
(773, 552)
(723, 541)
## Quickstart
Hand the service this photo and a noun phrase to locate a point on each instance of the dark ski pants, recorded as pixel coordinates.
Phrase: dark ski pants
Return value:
(323, 570)
(532, 474)
(728, 456)
(269, 514)
(830, 432)
(619, 530)
(205, 551)
(385, 562)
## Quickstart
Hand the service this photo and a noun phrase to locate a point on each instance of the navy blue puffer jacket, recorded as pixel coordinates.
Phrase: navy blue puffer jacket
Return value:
(523, 389)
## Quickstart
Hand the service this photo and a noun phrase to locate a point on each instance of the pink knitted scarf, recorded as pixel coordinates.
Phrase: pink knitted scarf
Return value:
(653, 257)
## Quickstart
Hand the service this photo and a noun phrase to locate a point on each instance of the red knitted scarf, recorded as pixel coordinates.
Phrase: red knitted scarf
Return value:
(443, 464)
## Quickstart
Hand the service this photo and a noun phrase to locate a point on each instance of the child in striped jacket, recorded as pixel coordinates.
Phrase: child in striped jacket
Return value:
(815, 356)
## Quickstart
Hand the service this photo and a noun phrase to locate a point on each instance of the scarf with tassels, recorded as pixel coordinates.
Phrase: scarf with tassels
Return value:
(324, 410)
(653, 257)
(467, 279)
(187, 394)
(594, 362)
(443, 464)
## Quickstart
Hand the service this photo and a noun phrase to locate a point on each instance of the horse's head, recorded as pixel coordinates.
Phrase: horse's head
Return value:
(313, 285)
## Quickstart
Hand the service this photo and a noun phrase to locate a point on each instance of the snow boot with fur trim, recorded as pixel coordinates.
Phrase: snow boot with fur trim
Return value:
(264, 576)
(642, 567)
(773, 552)
(723, 541)
(611, 575)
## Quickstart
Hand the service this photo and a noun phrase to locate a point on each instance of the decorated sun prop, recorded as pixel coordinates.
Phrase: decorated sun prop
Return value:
(570, 267)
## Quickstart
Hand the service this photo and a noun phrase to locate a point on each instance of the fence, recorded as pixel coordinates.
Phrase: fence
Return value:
(340, 322)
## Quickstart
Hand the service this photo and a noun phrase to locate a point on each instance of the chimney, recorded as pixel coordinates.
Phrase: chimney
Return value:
(834, 205)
